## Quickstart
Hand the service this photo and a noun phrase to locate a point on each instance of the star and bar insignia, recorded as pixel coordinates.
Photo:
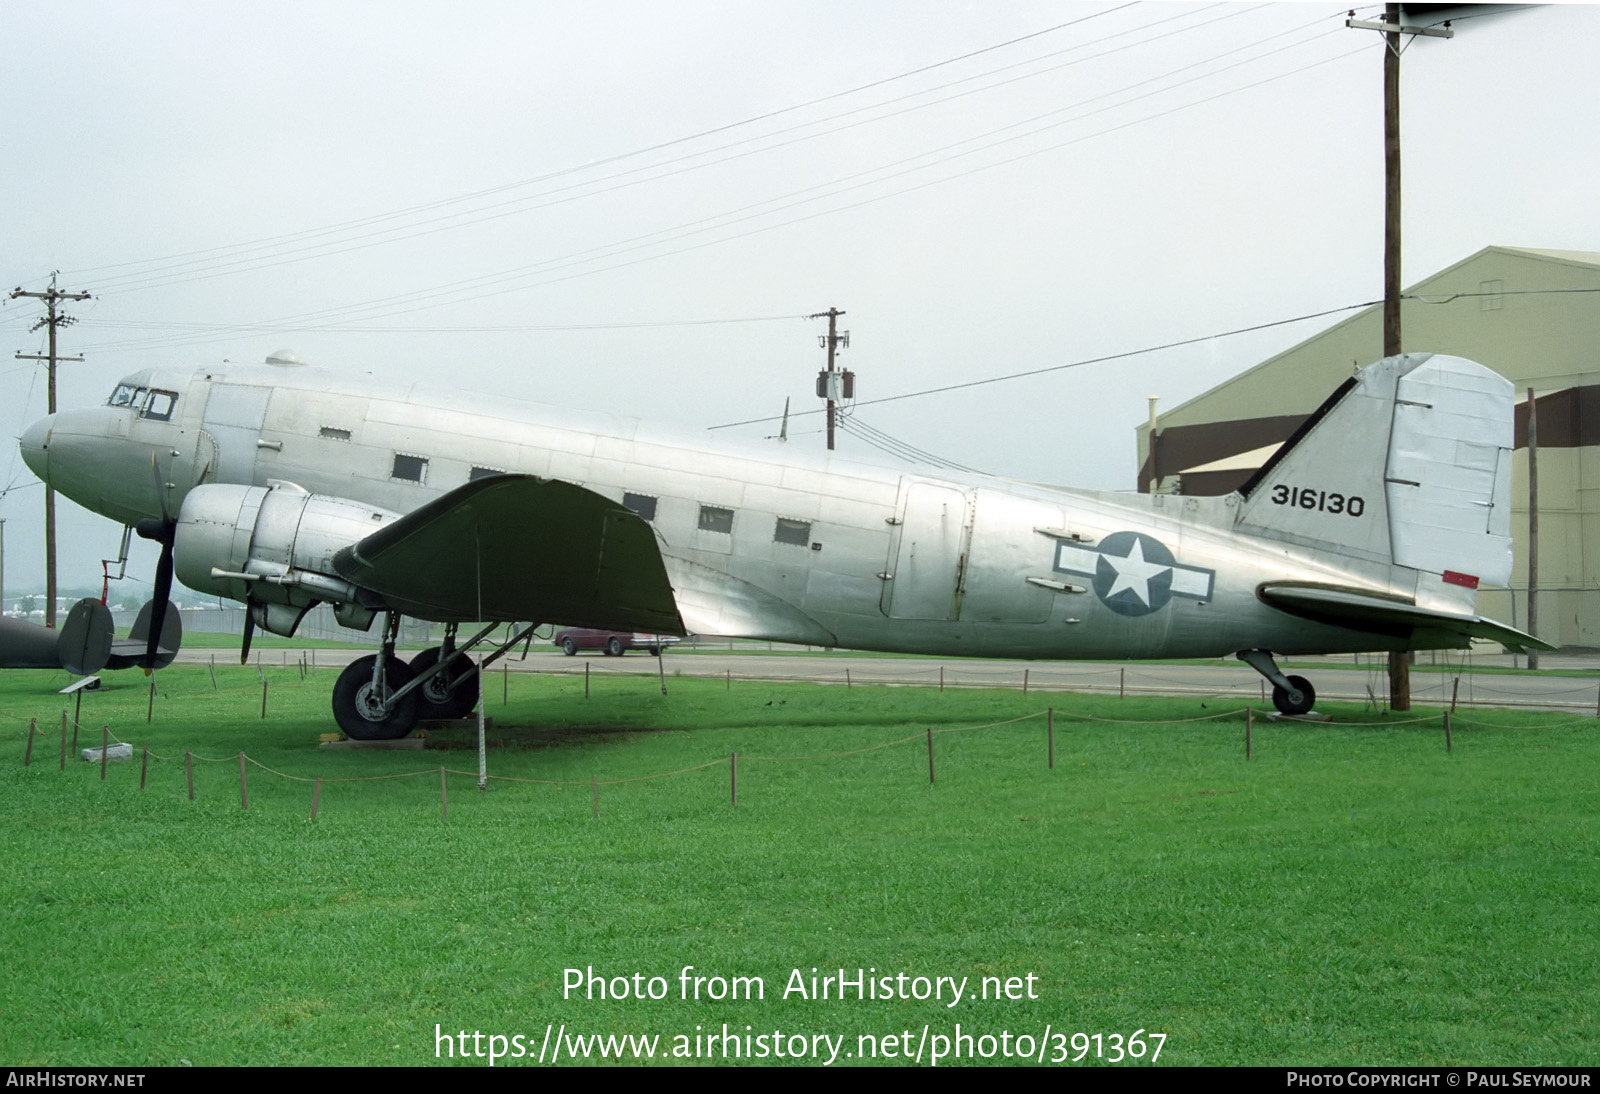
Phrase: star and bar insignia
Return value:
(1132, 573)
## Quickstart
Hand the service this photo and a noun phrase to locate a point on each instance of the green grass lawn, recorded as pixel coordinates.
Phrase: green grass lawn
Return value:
(1353, 894)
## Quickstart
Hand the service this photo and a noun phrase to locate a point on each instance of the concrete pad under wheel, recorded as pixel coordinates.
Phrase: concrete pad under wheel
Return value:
(413, 743)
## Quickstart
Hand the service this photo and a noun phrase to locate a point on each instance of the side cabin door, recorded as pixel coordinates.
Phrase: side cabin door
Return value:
(1010, 576)
(233, 419)
(928, 553)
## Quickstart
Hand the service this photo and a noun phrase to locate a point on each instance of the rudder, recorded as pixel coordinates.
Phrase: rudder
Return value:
(1408, 463)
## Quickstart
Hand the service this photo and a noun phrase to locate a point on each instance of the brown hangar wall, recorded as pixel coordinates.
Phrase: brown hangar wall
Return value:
(1534, 317)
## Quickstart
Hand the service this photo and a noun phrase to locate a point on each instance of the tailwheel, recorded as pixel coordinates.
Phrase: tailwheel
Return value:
(358, 706)
(452, 693)
(1298, 698)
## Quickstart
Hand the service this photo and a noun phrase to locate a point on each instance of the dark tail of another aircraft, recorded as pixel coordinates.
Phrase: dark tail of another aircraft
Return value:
(81, 646)
(134, 651)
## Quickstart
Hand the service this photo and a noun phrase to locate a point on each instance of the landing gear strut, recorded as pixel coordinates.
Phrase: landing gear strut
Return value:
(1290, 694)
(371, 700)
(453, 691)
(380, 697)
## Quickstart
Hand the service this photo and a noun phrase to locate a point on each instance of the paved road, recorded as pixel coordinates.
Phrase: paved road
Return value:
(1342, 678)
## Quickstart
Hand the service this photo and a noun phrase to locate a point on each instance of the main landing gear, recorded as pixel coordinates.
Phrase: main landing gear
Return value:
(1290, 694)
(381, 698)
(451, 692)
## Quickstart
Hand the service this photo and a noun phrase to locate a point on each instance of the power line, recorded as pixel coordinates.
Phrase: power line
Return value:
(104, 271)
(1422, 299)
(1156, 349)
(262, 328)
(1072, 364)
(185, 273)
(424, 299)
(884, 442)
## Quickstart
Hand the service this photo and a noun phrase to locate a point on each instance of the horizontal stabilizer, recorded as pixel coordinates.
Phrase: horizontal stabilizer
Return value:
(134, 650)
(518, 548)
(1383, 615)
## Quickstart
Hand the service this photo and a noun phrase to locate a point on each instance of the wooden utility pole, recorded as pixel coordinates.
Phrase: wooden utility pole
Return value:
(53, 319)
(832, 341)
(1391, 183)
(1533, 526)
(1399, 660)
(1391, 29)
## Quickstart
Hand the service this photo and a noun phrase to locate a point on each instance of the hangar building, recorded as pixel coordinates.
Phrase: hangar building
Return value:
(1531, 315)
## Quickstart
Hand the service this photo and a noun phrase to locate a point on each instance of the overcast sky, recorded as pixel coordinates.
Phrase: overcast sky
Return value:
(631, 206)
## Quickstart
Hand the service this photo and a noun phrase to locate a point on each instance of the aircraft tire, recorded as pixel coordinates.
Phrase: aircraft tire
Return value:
(569, 647)
(433, 701)
(1298, 701)
(352, 701)
(614, 648)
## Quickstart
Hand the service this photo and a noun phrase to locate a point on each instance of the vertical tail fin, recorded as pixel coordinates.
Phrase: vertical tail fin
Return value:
(1408, 463)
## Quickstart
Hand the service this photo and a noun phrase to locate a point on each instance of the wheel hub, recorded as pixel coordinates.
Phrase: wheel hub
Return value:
(369, 705)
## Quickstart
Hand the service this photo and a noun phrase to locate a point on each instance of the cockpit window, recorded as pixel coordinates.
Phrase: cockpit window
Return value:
(158, 407)
(127, 395)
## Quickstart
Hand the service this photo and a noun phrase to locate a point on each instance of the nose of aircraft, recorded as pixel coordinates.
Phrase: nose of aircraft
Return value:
(34, 444)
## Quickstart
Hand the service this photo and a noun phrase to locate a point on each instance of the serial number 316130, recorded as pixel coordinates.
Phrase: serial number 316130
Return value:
(1322, 501)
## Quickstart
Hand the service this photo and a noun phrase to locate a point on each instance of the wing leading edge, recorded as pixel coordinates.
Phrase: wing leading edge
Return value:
(519, 548)
(1382, 615)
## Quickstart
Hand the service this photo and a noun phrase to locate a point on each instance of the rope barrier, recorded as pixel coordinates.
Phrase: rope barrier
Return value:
(1459, 720)
(1586, 690)
(947, 676)
(1387, 721)
(1162, 722)
(963, 676)
(588, 782)
(205, 759)
(836, 755)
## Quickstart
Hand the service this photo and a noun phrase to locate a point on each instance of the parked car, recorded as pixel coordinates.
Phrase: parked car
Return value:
(614, 643)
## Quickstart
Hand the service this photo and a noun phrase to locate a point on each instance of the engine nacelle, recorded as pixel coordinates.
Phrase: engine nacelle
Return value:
(272, 547)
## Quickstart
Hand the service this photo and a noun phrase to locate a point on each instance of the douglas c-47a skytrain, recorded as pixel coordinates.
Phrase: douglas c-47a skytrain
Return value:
(284, 486)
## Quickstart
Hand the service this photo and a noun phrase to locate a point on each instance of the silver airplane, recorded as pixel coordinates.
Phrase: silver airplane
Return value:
(284, 486)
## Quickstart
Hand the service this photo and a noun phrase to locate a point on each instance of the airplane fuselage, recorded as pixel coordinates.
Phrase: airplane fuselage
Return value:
(763, 542)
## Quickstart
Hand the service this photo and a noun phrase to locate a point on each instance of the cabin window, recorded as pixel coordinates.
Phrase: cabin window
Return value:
(333, 434)
(483, 473)
(410, 468)
(158, 407)
(127, 395)
(797, 532)
(714, 519)
(644, 505)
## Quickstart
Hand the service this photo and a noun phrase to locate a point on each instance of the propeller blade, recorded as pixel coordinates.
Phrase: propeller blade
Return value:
(158, 615)
(249, 633)
(162, 532)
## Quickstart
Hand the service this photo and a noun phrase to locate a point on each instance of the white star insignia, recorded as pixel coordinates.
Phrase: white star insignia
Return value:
(1134, 573)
